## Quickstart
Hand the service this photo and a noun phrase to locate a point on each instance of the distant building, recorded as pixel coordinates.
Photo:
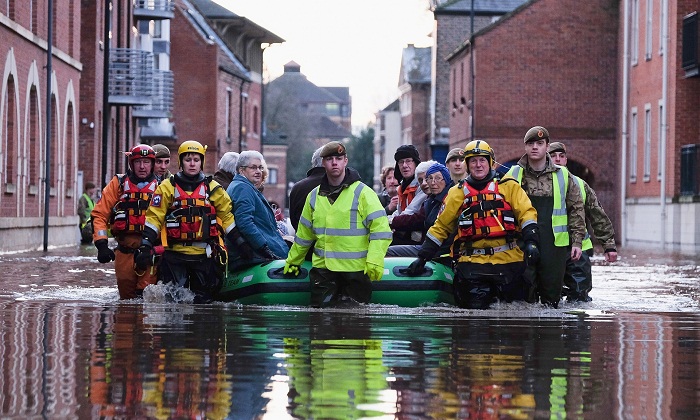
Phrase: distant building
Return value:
(414, 99)
(305, 116)
(387, 138)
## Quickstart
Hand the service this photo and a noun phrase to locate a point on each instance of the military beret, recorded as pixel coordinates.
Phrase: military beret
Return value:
(334, 148)
(456, 153)
(536, 133)
(556, 146)
(161, 151)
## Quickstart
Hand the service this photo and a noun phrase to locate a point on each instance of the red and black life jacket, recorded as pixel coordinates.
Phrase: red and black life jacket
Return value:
(485, 214)
(191, 217)
(129, 214)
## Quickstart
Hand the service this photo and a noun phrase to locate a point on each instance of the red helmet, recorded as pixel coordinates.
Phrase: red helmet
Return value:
(141, 151)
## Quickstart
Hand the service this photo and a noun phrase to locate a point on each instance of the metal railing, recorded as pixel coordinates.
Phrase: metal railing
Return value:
(130, 76)
(154, 9)
(161, 99)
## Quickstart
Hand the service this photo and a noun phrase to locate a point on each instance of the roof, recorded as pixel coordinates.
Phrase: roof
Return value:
(324, 127)
(481, 7)
(415, 65)
(216, 12)
(298, 86)
(207, 32)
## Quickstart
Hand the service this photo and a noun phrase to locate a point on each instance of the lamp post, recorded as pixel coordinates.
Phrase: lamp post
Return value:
(47, 178)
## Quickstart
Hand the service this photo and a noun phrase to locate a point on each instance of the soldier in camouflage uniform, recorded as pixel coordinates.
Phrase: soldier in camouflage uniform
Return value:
(578, 280)
(560, 215)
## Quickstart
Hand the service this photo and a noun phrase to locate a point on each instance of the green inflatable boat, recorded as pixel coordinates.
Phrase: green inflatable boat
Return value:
(265, 284)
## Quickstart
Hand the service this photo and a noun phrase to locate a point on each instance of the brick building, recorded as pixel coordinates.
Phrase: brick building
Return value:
(24, 123)
(660, 125)
(414, 99)
(527, 74)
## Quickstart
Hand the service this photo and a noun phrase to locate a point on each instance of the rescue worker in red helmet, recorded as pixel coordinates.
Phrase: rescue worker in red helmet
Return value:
(189, 212)
(489, 216)
(122, 209)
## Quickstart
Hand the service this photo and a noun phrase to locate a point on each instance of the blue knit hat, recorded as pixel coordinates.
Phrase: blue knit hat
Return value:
(439, 167)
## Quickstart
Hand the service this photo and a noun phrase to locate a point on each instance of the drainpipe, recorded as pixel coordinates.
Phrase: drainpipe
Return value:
(49, 70)
(623, 118)
(105, 91)
(473, 76)
(664, 122)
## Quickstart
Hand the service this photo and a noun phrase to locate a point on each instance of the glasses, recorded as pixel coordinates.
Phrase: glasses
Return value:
(254, 168)
(434, 179)
(406, 161)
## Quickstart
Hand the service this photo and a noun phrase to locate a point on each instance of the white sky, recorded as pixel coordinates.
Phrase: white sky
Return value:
(354, 43)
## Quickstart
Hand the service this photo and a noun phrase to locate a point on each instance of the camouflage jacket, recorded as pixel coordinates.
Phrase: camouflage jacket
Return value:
(599, 221)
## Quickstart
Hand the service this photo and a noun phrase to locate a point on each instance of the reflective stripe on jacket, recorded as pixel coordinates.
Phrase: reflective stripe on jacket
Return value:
(346, 234)
(587, 243)
(560, 185)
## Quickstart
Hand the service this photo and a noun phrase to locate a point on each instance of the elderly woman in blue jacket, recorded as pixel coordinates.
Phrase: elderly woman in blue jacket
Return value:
(255, 219)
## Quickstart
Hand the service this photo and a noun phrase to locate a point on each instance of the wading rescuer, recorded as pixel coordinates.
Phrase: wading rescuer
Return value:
(122, 209)
(555, 195)
(347, 226)
(187, 212)
(489, 216)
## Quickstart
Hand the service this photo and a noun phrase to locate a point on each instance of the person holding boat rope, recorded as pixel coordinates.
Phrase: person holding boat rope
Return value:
(190, 213)
(122, 209)
(489, 215)
(347, 226)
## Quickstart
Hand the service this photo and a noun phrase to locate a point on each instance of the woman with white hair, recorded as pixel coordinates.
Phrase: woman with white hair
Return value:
(255, 218)
(226, 169)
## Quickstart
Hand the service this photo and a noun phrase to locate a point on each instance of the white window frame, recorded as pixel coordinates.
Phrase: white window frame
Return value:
(648, 33)
(662, 18)
(647, 143)
(634, 39)
(633, 145)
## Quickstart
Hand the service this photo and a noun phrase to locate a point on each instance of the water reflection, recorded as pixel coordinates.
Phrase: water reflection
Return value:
(130, 360)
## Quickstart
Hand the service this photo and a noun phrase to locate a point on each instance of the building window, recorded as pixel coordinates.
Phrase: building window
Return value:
(689, 52)
(659, 157)
(255, 120)
(647, 142)
(633, 146)
(229, 99)
(634, 40)
(272, 176)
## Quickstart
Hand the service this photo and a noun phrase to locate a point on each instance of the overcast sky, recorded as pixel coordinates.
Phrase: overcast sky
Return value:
(354, 43)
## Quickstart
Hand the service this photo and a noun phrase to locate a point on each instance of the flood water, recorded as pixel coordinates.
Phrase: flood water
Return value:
(70, 349)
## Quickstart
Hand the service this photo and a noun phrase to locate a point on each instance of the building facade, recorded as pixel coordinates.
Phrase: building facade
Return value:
(39, 130)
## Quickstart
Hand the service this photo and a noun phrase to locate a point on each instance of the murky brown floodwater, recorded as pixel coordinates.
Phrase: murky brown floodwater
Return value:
(70, 349)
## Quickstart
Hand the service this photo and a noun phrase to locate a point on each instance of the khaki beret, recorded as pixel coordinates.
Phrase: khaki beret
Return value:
(536, 133)
(556, 146)
(456, 153)
(334, 148)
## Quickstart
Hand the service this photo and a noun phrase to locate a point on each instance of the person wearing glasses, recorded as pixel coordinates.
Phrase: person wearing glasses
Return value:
(488, 216)
(347, 227)
(255, 217)
(437, 181)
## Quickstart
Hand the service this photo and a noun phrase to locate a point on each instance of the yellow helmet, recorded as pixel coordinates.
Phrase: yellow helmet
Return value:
(191, 146)
(479, 148)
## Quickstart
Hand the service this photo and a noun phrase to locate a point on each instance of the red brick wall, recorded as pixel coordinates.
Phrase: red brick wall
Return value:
(561, 75)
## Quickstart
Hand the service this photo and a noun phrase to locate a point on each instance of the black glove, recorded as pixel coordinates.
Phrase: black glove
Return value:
(532, 254)
(416, 267)
(266, 252)
(143, 257)
(531, 236)
(104, 254)
(245, 250)
(428, 249)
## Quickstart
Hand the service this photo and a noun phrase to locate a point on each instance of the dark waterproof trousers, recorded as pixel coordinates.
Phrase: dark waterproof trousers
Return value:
(329, 288)
(477, 286)
(196, 272)
(549, 273)
(578, 280)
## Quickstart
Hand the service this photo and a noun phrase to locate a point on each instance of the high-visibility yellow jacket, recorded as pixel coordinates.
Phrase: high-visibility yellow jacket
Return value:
(161, 203)
(346, 234)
